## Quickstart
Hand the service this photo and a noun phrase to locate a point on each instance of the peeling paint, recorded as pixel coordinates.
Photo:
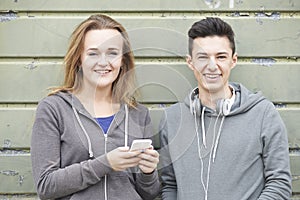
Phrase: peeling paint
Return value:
(274, 15)
(9, 172)
(7, 143)
(9, 152)
(239, 14)
(280, 105)
(31, 65)
(264, 61)
(21, 180)
(295, 178)
(213, 3)
(8, 16)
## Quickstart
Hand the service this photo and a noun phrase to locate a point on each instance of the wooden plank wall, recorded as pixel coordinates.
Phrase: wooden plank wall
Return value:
(34, 37)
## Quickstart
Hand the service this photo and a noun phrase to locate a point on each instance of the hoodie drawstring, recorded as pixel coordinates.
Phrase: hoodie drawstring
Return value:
(126, 126)
(91, 153)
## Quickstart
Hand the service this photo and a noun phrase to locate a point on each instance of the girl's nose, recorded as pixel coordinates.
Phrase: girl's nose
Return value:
(102, 61)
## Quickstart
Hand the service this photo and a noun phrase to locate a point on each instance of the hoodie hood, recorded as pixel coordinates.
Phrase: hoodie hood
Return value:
(244, 99)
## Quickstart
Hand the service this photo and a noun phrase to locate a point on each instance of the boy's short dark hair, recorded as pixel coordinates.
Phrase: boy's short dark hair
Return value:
(211, 26)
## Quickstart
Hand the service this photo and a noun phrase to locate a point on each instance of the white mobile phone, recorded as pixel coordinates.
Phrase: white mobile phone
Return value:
(140, 144)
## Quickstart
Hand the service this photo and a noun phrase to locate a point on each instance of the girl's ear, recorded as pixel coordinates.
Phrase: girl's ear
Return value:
(189, 62)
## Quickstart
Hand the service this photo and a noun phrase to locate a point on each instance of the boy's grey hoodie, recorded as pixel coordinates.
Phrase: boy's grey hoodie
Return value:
(251, 159)
(61, 165)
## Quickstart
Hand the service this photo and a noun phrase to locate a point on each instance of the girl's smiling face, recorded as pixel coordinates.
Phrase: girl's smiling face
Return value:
(101, 58)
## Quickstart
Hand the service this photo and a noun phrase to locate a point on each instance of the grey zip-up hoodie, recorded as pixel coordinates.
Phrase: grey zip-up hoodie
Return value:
(251, 159)
(62, 167)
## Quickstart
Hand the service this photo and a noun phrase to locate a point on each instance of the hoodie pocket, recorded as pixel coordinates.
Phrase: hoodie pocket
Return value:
(121, 185)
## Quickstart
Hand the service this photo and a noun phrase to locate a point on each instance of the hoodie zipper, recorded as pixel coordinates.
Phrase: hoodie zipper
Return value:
(105, 176)
(105, 139)
(105, 146)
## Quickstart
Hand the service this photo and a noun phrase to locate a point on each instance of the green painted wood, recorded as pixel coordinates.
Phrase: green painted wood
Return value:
(291, 118)
(16, 126)
(16, 176)
(157, 82)
(28, 82)
(295, 169)
(19, 197)
(276, 81)
(149, 5)
(163, 36)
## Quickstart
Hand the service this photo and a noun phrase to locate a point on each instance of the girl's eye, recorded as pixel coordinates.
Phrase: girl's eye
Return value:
(113, 53)
(92, 54)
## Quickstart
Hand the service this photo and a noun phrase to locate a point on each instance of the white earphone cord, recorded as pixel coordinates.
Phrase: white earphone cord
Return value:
(213, 149)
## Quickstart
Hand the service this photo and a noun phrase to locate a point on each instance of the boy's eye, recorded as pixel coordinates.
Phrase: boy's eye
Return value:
(202, 58)
(222, 57)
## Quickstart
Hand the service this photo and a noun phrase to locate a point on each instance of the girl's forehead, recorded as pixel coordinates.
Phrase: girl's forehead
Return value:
(105, 38)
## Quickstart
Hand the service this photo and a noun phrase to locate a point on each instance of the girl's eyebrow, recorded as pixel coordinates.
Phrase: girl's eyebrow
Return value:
(96, 49)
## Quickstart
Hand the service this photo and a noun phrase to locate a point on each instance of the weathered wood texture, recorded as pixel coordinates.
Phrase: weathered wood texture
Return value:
(163, 36)
(16, 177)
(34, 38)
(158, 82)
(16, 126)
(150, 5)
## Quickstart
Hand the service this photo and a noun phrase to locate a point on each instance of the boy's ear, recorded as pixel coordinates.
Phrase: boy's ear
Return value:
(234, 60)
(189, 62)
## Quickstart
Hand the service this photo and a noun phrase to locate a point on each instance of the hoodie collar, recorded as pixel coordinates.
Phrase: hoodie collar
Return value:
(244, 100)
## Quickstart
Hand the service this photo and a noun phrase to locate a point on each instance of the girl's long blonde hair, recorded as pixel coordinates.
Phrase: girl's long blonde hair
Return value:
(123, 88)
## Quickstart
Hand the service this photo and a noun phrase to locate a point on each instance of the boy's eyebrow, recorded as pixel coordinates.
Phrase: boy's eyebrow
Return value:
(201, 53)
(219, 53)
(223, 52)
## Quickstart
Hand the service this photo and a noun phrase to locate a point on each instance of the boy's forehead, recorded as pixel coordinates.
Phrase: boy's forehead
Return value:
(211, 44)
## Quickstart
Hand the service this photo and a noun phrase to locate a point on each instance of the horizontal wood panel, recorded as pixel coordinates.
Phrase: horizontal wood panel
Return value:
(157, 82)
(16, 126)
(295, 169)
(276, 81)
(47, 36)
(16, 176)
(291, 121)
(148, 5)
